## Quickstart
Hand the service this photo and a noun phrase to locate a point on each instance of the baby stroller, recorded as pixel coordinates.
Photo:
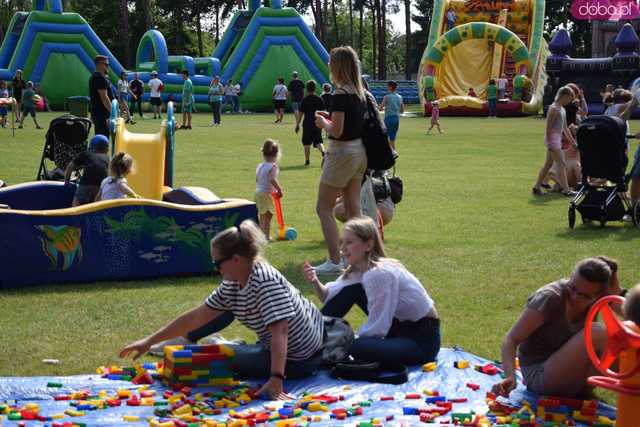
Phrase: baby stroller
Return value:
(66, 138)
(601, 196)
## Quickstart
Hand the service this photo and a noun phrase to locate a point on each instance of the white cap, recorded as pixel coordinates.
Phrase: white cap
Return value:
(154, 73)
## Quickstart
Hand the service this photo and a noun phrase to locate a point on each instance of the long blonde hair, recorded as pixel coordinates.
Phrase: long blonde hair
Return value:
(345, 69)
(365, 229)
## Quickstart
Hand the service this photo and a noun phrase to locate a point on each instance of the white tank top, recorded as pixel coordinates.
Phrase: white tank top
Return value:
(265, 172)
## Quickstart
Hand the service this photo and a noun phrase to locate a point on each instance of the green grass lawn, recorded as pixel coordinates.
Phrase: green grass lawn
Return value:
(468, 227)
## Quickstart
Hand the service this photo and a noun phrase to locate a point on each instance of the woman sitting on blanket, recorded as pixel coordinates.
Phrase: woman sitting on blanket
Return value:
(402, 324)
(549, 334)
(289, 326)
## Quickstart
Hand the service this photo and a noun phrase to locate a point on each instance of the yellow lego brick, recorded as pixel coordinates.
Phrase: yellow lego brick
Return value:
(429, 367)
(130, 418)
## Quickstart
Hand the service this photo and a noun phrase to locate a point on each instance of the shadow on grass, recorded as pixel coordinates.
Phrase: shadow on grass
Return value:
(293, 168)
(548, 197)
(133, 283)
(593, 231)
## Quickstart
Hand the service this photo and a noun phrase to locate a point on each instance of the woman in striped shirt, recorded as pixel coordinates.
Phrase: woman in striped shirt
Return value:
(289, 327)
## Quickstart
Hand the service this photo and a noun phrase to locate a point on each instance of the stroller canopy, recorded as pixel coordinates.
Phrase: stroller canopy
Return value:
(66, 138)
(602, 144)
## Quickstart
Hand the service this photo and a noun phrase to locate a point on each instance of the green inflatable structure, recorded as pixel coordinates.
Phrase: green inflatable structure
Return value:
(260, 45)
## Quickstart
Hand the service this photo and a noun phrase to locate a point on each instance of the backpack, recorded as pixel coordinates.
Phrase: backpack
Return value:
(395, 188)
(375, 139)
(387, 186)
(338, 337)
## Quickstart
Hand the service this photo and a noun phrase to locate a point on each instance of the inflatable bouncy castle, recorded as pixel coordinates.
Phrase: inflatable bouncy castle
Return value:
(260, 45)
(592, 74)
(485, 40)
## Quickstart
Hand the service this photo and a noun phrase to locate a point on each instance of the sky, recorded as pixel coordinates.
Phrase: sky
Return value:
(396, 19)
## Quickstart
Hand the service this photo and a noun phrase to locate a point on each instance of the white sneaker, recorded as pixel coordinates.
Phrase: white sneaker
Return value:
(158, 349)
(627, 218)
(329, 267)
(215, 339)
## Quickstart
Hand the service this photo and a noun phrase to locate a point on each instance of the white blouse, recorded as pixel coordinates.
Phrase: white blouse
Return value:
(392, 292)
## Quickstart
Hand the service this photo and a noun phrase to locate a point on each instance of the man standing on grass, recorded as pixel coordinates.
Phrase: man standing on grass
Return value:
(100, 95)
(155, 94)
(187, 100)
(137, 87)
(296, 89)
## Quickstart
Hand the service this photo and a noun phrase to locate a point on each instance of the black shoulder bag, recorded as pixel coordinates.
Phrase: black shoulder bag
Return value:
(375, 139)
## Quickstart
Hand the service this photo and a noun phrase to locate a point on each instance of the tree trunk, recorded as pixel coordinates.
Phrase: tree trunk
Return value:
(360, 32)
(350, 22)
(179, 32)
(316, 8)
(324, 12)
(124, 34)
(407, 51)
(199, 33)
(336, 34)
(217, 24)
(148, 18)
(374, 28)
(382, 39)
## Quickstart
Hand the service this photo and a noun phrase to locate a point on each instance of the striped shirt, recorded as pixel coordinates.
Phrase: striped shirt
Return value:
(268, 298)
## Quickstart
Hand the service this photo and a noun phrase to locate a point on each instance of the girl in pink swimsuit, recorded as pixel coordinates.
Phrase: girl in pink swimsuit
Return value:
(556, 127)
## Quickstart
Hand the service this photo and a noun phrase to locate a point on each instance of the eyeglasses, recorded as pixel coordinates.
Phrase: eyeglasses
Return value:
(217, 263)
(576, 292)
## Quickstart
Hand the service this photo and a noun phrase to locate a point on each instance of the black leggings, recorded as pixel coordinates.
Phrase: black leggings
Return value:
(407, 343)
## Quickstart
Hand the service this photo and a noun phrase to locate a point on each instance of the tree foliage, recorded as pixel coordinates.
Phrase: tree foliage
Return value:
(193, 27)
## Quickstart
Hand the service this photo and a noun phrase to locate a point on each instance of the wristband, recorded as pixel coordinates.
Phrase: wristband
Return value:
(277, 375)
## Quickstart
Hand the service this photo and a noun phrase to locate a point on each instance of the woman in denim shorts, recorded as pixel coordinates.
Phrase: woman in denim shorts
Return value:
(346, 159)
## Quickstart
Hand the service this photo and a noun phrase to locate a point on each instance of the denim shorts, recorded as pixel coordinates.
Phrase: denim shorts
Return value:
(345, 161)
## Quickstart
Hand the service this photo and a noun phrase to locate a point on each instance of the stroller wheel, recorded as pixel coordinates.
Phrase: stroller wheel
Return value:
(635, 213)
(572, 216)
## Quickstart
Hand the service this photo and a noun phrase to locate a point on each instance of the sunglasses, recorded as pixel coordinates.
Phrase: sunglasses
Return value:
(583, 295)
(217, 263)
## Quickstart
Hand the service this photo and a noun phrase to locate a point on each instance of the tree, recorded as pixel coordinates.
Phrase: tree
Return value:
(407, 32)
(124, 33)
(557, 14)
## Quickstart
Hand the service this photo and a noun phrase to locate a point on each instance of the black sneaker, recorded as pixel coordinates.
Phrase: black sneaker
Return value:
(306, 162)
(536, 191)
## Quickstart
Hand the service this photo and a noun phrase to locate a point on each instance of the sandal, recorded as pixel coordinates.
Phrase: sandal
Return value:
(545, 186)
(537, 192)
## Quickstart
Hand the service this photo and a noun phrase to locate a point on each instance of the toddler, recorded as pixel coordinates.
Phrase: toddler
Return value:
(267, 183)
(115, 185)
(435, 117)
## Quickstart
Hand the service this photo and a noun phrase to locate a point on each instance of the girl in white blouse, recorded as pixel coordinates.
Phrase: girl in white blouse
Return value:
(402, 324)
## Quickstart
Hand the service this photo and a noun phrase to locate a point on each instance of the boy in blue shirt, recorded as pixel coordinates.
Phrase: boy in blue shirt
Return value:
(392, 106)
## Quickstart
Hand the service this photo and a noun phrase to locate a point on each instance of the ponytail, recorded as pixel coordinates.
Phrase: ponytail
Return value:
(246, 240)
